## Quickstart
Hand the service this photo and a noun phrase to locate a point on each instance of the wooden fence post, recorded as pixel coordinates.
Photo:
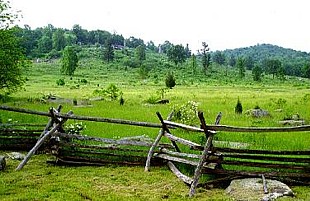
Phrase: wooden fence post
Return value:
(41, 141)
(166, 129)
(151, 151)
(207, 149)
(50, 122)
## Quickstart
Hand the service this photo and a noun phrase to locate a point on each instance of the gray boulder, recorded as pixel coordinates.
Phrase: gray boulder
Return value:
(257, 113)
(251, 189)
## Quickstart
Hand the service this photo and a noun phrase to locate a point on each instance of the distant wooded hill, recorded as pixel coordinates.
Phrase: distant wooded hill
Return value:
(292, 61)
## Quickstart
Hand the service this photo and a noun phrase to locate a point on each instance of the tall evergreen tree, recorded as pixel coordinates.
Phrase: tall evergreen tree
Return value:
(206, 58)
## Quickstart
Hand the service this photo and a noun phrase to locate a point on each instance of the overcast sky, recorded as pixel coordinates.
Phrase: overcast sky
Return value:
(223, 24)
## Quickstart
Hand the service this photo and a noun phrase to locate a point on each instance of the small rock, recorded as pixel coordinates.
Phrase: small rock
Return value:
(2, 163)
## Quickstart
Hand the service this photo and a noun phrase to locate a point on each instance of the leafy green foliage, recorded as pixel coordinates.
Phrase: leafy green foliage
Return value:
(12, 62)
(306, 70)
(60, 82)
(273, 66)
(219, 58)
(112, 92)
(241, 67)
(69, 61)
(257, 73)
(140, 53)
(177, 54)
(170, 80)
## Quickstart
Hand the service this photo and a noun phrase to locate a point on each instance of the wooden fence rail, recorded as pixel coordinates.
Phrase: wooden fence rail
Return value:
(205, 158)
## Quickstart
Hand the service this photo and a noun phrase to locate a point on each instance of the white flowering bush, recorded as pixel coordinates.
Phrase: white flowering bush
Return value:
(187, 113)
(75, 128)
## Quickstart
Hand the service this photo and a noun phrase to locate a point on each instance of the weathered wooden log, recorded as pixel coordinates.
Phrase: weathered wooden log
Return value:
(207, 149)
(213, 156)
(51, 121)
(104, 140)
(251, 151)
(266, 164)
(166, 129)
(41, 141)
(176, 159)
(148, 124)
(271, 159)
(86, 118)
(154, 145)
(77, 160)
(273, 174)
(182, 141)
(179, 174)
(36, 147)
(21, 125)
(183, 126)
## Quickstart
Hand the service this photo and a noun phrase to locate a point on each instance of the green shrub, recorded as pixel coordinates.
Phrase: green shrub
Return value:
(74, 101)
(112, 92)
(170, 80)
(84, 81)
(238, 108)
(152, 100)
(60, 82)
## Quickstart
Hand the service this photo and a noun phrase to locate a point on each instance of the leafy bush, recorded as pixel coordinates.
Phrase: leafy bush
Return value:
(170, 80)
(132, 63)
(152, 100)
(112, 92)
(60, 82)
(84, 81)
(74, 101)
(238, 108)
(186, 113)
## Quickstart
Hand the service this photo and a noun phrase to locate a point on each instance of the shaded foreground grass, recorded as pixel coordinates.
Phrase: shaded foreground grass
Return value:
(41, 181)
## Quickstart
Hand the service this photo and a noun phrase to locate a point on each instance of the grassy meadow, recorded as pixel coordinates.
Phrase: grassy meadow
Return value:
(216, 93)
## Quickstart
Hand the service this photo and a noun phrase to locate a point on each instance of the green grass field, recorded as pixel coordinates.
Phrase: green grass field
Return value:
(41, 181)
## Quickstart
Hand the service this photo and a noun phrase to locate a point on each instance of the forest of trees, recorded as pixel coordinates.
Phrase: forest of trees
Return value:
(49, 42)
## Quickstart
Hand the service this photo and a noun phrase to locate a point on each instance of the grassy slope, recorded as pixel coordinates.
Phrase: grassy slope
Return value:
(39, 181)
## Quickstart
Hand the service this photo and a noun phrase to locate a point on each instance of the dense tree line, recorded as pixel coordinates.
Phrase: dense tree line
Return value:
(288, 61)
(49, 42)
